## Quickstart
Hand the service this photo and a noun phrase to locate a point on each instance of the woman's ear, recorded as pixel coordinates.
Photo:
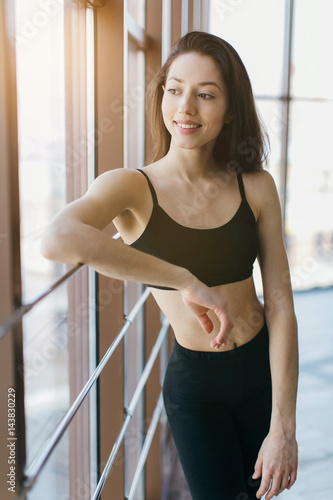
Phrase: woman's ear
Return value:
(229, 118)
(163, 88)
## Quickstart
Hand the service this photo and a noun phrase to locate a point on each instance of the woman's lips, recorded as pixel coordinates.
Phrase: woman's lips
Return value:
(187, 127)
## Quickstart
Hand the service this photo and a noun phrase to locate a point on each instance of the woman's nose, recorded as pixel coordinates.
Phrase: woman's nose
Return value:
(187, 104)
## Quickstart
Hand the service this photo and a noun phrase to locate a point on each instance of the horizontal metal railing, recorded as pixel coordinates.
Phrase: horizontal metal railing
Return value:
(23, 309)
(146, 446)
(131, 408)
(32, 472)
(18, 314)
(35, 468)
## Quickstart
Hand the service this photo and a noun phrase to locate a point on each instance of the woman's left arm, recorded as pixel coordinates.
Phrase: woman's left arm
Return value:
(277, 458)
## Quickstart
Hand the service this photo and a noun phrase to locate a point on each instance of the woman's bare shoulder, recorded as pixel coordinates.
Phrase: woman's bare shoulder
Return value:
(110, 194)
(260, 190)
(125, 178)
(120, 183)
(261, 193)
(261, 178)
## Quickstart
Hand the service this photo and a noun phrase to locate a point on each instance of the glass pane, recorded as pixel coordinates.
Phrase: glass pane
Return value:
(41, 129)
(256, 30)
(135, 108)
(47, 388)
(272, 116)
(312, 74)
(49, 347)
(309, 222)
(137, 9)
(135, 126)
(42, 170)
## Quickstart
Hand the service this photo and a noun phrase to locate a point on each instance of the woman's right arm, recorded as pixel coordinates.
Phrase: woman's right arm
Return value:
(76, 235)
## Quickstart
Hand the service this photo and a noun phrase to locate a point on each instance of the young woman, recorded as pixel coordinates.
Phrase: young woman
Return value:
(193, 222)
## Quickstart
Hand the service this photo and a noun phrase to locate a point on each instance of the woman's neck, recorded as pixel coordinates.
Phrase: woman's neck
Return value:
(190, 164)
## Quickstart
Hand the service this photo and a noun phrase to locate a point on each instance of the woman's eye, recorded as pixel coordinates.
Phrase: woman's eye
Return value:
(204, 95)
(173, 91)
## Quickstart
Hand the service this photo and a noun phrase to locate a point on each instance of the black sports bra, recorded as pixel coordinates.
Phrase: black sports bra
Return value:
(215, 256)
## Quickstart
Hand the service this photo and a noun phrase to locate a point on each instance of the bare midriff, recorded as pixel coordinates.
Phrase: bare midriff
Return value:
(246, 311)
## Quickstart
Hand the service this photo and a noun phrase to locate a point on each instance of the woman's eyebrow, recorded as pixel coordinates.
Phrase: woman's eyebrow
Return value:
(200, 84)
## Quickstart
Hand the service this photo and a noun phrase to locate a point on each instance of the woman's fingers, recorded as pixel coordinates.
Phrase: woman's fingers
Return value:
(284, 481)
(257, 468)
(273, 483)
(200, 300)
(205, 322)
(293, 476)
(258, 473)
(226, 325)
(220, 339)
(265, 484)
(277, 461)
(275, 487)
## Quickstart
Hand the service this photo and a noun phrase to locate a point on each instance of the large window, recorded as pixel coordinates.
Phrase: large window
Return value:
(291, 70)
(40, 58)
(310, 170)
(50, 165)
(42, 168)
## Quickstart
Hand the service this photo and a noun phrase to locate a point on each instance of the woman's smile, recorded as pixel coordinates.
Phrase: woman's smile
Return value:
(187, 127)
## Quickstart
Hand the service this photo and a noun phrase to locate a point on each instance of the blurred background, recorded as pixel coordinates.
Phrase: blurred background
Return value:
(80, 72)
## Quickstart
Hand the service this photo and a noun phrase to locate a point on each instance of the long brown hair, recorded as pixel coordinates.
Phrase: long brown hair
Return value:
(244, 141)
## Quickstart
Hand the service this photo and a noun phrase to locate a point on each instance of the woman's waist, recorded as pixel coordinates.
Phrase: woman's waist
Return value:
(246, 310)
(248, 321)
(252, 347)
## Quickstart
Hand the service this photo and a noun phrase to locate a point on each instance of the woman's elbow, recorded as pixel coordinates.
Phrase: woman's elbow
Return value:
(54, 245)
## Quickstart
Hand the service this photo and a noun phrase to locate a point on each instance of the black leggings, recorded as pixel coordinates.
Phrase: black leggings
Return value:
(218, 406)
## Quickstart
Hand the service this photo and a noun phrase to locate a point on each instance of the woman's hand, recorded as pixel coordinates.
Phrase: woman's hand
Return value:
(276, 463)
(200, 299)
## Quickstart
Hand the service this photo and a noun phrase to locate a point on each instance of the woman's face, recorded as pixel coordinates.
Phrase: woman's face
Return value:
(195, 101)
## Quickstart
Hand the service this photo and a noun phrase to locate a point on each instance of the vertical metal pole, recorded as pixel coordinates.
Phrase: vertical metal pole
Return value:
(125, 83)
(289, 16)
(184, 22)
(166, 29)
(125, 153)
(141, 363)
(205, 15)
(92, 280)
(125, 379)
(196, 15)
(10, 76)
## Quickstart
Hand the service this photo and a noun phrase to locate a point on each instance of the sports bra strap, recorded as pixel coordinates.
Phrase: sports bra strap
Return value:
(151, 187)
(241, 185)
